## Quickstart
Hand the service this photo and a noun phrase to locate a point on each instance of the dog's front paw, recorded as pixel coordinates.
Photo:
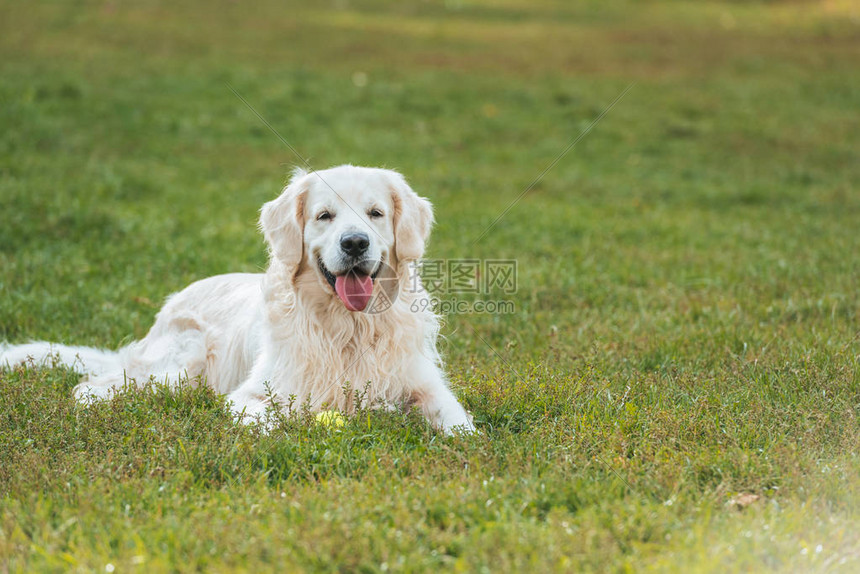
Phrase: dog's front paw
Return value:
(249, 409)
(460, 426)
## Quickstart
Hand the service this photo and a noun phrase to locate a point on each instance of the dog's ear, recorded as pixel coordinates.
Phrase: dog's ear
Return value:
(413, 218)
(282, 221)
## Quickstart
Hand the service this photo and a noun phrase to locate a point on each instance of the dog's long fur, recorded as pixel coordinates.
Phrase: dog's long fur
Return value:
(286, 330)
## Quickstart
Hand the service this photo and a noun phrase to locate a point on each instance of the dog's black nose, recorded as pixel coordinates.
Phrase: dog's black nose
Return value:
(354, 244)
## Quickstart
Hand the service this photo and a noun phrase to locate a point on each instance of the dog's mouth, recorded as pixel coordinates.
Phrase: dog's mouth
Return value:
(353, 287)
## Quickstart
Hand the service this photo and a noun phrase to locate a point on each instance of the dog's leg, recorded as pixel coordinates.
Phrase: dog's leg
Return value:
(252, 399)
(99, 387)
(175, 350)
(248, 403)
(430, 392)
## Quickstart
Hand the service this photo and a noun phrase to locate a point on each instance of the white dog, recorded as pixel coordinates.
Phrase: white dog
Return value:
(303, 329)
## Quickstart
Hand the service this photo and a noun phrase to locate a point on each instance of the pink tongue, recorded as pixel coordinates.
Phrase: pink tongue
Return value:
(354, 290)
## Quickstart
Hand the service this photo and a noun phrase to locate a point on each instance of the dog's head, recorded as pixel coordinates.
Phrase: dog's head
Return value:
(347, 225)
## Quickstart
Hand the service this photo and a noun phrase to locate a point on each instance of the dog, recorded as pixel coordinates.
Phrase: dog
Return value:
(306, 331)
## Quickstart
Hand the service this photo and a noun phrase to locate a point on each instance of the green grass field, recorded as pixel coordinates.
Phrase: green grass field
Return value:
(677, 390)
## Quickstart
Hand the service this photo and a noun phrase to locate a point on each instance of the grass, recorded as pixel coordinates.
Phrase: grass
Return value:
(677, 390)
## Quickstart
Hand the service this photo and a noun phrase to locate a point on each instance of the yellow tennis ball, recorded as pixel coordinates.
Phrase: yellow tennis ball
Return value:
(329, 419)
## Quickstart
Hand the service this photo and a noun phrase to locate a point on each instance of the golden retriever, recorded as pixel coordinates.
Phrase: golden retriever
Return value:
(305, 329)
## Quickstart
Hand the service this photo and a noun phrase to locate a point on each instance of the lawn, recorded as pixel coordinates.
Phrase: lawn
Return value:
(676, 389)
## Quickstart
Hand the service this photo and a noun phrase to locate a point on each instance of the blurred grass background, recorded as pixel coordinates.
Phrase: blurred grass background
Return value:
(686, 326)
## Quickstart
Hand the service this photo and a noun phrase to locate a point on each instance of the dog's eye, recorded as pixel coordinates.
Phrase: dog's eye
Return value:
(324, 216)
(374, 213)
